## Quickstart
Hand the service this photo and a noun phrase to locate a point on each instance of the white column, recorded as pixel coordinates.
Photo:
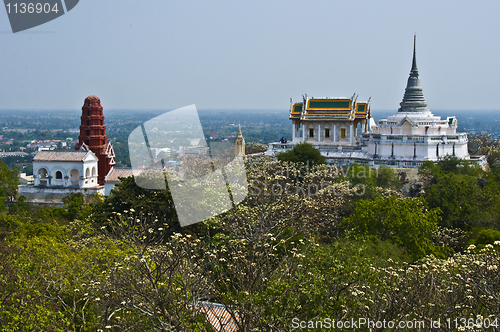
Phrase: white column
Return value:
(318, 137)
(351, 132)
(334, 129)
(293, 131)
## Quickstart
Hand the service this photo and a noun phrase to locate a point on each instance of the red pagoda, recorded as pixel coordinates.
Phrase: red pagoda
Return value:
(93, 136)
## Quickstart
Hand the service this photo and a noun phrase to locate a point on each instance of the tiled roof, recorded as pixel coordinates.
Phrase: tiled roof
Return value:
(60, 156)
(330, 109)
(116, 173)
(219, 317)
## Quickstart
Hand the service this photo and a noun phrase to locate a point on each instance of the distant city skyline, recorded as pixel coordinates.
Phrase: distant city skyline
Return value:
(223, 54)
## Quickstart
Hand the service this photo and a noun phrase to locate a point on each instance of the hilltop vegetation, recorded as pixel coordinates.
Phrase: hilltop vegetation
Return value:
(306, 244)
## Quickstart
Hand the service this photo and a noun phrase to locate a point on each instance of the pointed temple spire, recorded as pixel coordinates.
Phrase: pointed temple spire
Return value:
(239, 144)
(413, 100)
(414, 68)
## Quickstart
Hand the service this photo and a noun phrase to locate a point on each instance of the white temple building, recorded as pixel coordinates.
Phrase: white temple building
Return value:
(344, 132)
(65, 169)
(57, 174)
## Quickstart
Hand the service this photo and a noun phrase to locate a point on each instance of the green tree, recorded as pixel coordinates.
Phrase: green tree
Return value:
(8, 184)
(76, 207)
(405, 222)
(484, 237)
(303, 153)
(22, 305)
(373, 182)
(128, 195)
(450, 164)
(459, 198)
(468, 196)
(387, 178)
(383, 176)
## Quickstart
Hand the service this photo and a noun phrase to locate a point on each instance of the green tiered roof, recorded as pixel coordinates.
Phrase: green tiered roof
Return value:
(335, 109)
(295, 111)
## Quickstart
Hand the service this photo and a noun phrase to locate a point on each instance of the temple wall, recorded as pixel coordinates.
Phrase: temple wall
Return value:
(407, 150)
(54, 195)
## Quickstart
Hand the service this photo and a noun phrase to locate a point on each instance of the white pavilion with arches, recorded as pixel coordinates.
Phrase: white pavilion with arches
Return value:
(58, 174)
(65, 169)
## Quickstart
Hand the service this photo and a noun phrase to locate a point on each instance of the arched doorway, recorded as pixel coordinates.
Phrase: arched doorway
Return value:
(43, 177)
(74, 177)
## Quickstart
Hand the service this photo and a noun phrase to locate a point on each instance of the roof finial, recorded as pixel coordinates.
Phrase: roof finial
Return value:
(414, 63)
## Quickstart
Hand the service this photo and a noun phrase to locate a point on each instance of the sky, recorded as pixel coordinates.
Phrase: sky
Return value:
(253, 54)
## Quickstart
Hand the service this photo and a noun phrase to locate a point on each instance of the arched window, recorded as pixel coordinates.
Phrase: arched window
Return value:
(87, 173)
(94, 173)
(58, 175)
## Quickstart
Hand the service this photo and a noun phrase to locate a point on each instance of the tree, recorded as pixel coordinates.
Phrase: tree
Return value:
(459, 199)
(303, 153)
(407, 223)
(128, 195)
(485, 144)
(387, 178)
(251, 148)
(372, 179)
(485, 237)
(8, 184)
(22, 305)
(159, 284)
(467, 196)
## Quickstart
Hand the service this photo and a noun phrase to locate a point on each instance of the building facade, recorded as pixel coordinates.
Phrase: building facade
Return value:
(329, 121)
(414, 134)
(344, 132)
(76, 169)
(58, 174)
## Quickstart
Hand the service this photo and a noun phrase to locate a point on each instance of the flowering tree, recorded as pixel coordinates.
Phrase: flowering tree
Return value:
(158, 283)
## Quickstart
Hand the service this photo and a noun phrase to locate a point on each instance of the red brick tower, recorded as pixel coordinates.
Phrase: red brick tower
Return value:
(93, 136)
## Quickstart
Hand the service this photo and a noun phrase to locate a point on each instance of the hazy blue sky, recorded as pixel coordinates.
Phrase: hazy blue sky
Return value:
(253, 54)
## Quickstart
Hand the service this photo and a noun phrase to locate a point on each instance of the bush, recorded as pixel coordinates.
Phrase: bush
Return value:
(303, 153)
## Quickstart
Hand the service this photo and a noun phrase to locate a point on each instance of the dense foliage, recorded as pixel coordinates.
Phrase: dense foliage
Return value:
(306, 244)
(251, 148)
(8, 184)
